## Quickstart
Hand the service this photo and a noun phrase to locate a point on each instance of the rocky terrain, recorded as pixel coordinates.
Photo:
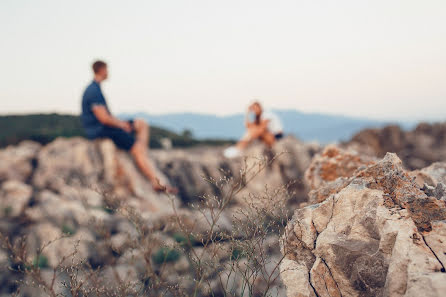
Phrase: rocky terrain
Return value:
(78, 219)
(90, 199)
(417, 149)
(375, 230)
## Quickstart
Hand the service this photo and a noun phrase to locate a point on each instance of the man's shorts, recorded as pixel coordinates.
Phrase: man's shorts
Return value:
(121, 138)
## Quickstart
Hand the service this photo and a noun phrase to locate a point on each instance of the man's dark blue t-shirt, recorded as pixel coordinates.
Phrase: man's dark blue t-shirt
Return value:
(92, 96)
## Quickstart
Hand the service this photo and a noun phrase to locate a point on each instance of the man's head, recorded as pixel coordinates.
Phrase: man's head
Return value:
(100, 71)
(256, 108)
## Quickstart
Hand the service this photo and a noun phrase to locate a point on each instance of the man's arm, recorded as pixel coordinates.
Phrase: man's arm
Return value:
(103, 116)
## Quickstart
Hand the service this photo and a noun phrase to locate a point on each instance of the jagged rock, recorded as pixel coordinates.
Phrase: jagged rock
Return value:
(291, 159)
(329, 171)
(47, 274)
(432, 180)
(432, 175)
(92, 201)
(14, 198)
(73, 162)
(58, 209)
(16, 162)
(333, 163)
(187, 169)
(379, 235)
(76, 168)
(418, 148)
(438, 192)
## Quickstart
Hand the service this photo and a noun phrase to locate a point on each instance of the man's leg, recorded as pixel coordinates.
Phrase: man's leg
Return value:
(138, 149)
(142, 131)
(139, 154)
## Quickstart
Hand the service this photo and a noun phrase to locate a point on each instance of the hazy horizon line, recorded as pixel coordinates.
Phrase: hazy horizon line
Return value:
(198, 113)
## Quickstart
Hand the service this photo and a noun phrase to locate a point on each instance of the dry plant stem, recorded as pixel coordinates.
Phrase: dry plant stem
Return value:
(237, 260)
(215, 214)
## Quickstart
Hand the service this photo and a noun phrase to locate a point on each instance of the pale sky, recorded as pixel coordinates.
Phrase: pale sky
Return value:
(378, 59)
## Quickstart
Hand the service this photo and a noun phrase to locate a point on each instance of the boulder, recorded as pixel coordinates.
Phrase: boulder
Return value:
(86, 202)
(329, 171)
(333, 163)
(417, 148)
(432, 175)
(17, 162)
(379, 235)
(195, 171)
(14, 198)
(58, 210)
(77, 169)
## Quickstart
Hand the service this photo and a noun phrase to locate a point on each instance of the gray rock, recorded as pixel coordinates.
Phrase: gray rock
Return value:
(378, 235)
(17, 162)
(14, 198)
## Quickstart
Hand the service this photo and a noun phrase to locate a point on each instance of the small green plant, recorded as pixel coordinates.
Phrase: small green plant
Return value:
(165, 255)
(183, 240)
(40, 261)
(7, 211)
(237, 254)
(68, 230)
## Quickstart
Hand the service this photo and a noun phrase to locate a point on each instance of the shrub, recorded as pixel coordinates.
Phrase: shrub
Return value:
(237, 261)
(40, 261)
(68, 230)
(165, 255)
(185, 240)
(7, 211)
(237, 254)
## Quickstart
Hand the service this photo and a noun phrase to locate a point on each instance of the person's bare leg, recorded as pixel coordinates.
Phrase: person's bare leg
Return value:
(139, 154)
(142, 130)
(268, 139)
(245, 141)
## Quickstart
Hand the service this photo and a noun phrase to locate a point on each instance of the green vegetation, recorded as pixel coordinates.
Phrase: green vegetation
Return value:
(68, 230)
(44, 128)
(40, 261)
(183, 240)
(7, 211)
(237, 254)
(165, 255)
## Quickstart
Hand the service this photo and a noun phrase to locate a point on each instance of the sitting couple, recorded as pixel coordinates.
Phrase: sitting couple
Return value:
(132, 136)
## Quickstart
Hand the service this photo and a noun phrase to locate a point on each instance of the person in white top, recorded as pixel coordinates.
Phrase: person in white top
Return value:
(260, 125)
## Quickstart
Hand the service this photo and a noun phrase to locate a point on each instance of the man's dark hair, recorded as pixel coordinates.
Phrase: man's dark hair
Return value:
(98, 65)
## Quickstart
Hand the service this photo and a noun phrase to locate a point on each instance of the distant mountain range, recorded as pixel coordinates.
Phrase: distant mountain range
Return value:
(322, 128)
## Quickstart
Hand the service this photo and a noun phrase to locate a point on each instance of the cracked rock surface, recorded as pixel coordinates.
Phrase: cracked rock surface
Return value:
(377, 234)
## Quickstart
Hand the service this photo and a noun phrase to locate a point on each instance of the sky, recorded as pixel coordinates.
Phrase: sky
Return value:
(380, 59)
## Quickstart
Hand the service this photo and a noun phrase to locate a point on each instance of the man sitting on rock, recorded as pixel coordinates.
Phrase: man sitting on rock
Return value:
(132, 136)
